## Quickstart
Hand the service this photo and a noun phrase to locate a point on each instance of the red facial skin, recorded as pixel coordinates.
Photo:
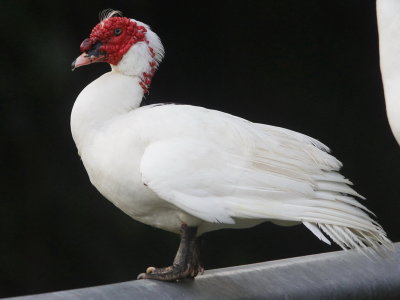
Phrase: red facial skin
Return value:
(113, 37)
(114, 45)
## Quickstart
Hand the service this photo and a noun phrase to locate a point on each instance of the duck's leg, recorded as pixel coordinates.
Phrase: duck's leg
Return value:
(186, 263)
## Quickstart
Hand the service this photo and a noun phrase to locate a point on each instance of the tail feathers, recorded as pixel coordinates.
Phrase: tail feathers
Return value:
(368, 242)
(343, 221)
(314, 229)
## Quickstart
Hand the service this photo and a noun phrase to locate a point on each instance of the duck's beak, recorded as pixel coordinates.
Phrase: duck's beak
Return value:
(89, 57)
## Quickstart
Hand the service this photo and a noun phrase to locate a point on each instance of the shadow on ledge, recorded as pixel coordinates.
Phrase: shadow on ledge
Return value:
(335, 275)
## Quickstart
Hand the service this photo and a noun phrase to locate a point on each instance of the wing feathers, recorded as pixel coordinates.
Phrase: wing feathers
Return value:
(255, 171)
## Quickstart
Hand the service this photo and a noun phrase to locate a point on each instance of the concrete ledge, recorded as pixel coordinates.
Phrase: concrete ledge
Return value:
(335, 275)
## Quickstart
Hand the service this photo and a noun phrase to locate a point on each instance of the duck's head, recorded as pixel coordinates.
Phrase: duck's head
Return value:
(129, 46)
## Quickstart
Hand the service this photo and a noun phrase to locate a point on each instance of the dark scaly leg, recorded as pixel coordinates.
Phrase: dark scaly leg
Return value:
(186, 263)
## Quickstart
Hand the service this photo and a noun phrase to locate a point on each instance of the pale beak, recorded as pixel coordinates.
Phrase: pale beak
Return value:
(85, 59)
(92, 56)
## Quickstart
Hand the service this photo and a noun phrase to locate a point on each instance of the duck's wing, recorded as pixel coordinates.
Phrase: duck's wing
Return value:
(272, 174)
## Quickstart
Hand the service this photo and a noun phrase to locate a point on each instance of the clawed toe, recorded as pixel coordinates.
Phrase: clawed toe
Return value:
(150, 270)
(172, 273)
(186, 263)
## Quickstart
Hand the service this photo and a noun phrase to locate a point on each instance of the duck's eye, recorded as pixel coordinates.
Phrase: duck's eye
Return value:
(117, 31)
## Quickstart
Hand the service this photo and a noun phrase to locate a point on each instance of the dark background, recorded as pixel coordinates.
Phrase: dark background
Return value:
(311, 66)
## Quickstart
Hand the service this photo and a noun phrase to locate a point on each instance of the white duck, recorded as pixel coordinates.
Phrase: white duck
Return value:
(388, 14)
(190, 170)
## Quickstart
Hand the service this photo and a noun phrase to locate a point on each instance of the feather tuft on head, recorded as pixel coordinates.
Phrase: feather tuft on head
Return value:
(109, 13)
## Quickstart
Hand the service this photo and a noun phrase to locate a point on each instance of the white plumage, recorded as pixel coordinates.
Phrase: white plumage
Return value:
(388, 14)
(166, 165)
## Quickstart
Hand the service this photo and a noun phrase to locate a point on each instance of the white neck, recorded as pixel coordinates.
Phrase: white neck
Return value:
(111, 95)
(388, 14)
